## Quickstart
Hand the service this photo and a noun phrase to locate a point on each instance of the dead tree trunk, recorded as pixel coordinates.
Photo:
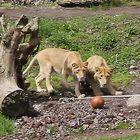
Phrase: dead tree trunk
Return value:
(13, 99)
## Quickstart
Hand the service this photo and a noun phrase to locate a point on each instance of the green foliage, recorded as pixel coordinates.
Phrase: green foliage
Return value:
(122, 125)
(131, 31)
(51, 130)
(138, 125)
(116, 2)
(130, 137)
(56, 80)
(7, 5)
(107, 40)
(121, 78)
(6, 126)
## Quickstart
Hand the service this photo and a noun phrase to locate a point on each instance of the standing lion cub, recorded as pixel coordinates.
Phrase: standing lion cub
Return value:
(99, 75)
(61, 61)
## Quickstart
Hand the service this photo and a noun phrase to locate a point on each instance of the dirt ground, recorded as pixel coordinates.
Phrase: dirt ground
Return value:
(58, 115)
(62, 13)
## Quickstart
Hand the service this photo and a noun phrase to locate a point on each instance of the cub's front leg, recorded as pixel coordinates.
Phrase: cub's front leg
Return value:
(95, 87)
(64, 79)
(112, 90)
(77, 89)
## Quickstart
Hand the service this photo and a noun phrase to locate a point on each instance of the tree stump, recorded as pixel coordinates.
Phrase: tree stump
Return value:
(13, 55)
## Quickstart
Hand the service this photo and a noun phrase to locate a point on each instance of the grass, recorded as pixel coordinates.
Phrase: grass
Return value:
(130, 137)
(6, 126)
(122, 125)
(116, 38)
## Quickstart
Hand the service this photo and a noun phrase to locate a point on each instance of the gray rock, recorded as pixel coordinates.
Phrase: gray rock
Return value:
(120, 118)
(132, 67)
(73, 3)
(73, 124)
(133, 101)
(96, 120)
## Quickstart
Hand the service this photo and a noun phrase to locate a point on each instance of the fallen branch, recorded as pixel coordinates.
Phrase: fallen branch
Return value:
(13, 98)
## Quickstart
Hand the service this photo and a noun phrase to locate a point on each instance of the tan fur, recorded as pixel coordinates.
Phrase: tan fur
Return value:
(61, 61)
(99, 75)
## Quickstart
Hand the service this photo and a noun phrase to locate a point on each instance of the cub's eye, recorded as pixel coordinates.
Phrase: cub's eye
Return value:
(77, 71)
(107, 76)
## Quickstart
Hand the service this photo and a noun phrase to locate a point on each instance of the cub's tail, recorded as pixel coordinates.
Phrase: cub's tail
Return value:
(30, 65)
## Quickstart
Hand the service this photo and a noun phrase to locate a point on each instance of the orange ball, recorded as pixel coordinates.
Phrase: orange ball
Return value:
(97, 102)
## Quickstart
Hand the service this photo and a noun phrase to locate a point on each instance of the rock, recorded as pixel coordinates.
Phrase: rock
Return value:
(96, 121)
(73, 124)
(133, 67)
(81, 3)
(120, 118)
(133, 101)
(85, 126)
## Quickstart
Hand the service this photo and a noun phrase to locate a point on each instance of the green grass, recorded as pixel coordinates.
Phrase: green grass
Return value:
(130, 137)
(116, 38)
(122, 125)
(6, 126)
(121, 78)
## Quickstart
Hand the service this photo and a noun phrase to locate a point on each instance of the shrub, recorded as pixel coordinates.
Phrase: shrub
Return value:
(6, 125)
(107, 40)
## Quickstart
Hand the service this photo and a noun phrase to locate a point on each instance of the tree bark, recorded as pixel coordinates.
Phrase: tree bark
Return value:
(13, 98)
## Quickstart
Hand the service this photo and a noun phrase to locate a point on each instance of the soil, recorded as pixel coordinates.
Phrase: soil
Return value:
(70, 118)
(63, 13)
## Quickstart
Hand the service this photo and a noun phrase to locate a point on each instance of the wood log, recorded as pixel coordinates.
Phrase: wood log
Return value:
(13, 99)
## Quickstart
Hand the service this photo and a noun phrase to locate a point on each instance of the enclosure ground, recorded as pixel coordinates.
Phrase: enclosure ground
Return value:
(63, 13)
(112, 133)
(53, 113)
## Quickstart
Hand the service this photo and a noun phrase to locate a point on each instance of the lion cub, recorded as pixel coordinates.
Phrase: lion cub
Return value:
(61, 61)
(99, 75)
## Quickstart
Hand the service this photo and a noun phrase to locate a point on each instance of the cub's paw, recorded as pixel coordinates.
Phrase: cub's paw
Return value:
(99, 94)
(81, 96)
(52, 92)
(41, 90)
(65, 85)
(118, 93)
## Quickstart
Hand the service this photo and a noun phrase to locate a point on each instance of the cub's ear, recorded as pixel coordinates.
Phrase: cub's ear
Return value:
(74, 65)
(97, 69)
(110, 70)
(85, 64)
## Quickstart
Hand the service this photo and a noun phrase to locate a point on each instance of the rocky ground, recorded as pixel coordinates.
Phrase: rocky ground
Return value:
(67, 119)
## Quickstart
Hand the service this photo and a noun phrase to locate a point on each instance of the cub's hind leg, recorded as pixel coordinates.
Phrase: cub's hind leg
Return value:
(45, 72)
(38, 79)
(64, 79)
(48, 71)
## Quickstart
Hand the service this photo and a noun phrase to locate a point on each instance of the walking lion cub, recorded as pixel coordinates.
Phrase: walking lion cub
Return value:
(99, 75)
(61, 61)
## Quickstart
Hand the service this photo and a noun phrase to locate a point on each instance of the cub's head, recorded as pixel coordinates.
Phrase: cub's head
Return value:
(102, 75)
(79, 71)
